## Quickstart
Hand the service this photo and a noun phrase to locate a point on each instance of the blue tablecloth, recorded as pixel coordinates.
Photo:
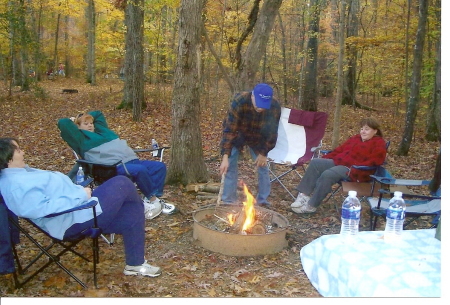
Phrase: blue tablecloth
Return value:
(370, 267)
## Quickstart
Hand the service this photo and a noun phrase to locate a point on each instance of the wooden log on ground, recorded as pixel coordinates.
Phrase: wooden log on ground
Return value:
(69, 91)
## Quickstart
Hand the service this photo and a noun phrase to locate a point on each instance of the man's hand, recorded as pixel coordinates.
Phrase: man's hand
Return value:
(261, 161)
(224, 165)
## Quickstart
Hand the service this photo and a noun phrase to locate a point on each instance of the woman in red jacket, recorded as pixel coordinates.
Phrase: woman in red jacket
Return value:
(366, 148)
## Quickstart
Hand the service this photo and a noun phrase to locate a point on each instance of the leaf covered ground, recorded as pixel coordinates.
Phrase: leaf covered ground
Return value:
(188, 270)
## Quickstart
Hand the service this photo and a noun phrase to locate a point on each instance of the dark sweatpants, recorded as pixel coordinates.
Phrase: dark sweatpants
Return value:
(123, 213)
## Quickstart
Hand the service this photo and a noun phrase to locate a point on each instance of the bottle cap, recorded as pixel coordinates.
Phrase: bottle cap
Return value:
(398, 194)
(352, 193)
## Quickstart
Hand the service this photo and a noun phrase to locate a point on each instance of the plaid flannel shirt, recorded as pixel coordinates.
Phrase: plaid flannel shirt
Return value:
(244, 126)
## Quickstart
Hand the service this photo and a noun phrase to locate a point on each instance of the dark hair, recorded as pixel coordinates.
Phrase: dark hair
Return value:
(372, 123)
(7, 148)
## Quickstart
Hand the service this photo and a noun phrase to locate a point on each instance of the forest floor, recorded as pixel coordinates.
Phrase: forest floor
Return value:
(188, 269)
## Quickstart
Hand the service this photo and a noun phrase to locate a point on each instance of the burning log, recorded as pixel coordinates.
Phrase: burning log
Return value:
(258, 228)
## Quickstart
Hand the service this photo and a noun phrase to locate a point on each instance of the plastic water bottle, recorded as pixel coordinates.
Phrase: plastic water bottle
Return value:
(395, 215)
(80, 175)
(351, 214)
(155, 146)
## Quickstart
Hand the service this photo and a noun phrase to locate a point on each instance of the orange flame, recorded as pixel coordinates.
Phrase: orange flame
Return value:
(231, 219)
(249, 209)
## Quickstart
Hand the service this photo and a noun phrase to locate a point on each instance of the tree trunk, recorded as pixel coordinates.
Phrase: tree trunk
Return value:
(55, 50)
(340, 77)
(24, 41)
(413, 102)
(186, 154)
(248, 68)
(309, 86)
(349, 94)
(433, 132)
(283, 52)
(133, 96)
(90, 17)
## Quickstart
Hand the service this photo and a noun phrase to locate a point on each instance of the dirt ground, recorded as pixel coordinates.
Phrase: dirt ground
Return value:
(188, 269)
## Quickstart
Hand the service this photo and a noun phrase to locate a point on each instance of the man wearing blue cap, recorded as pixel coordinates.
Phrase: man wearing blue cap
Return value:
(253, 121)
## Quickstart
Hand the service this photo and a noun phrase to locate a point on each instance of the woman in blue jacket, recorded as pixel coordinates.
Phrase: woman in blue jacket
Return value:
(35, 193)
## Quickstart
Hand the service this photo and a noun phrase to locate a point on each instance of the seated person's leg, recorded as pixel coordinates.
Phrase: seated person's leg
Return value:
(325, 183)
(123, 213)
(148, 175)
(315, 168)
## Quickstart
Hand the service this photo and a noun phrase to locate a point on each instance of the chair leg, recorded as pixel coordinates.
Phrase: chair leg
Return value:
(96, 258)
(277, 178)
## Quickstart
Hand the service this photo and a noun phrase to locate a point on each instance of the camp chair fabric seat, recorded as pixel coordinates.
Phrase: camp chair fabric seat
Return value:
(299, 140)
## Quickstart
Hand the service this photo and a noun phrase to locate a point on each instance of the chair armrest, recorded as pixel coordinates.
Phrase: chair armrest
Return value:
(82, 161)
(393, 181)
(86, 182)
(409, 196)
(90, 204)
(364, 167)
(150, 149)
(324, 152)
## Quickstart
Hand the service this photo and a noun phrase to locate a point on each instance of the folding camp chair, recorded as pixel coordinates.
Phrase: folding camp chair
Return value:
(416, 205)
(299, 140)
(102, 172)
(53, 251)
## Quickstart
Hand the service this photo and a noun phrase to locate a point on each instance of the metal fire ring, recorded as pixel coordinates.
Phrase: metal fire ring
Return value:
(239, 244)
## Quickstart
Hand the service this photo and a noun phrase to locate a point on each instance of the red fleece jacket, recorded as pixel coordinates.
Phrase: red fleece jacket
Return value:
(356, 152)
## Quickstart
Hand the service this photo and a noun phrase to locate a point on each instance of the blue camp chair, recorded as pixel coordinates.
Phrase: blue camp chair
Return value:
(54, 248)
(416, 205)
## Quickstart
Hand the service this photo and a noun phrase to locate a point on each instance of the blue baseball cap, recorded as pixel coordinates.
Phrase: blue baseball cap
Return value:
(263, 95)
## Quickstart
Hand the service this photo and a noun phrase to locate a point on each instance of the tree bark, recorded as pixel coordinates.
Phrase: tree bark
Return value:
(413, 101)
(433, 132)
(186, 155)
(340, 77)
(133, 96)
(309, 86)
(248, 68)
(349, 94)
(90, 17)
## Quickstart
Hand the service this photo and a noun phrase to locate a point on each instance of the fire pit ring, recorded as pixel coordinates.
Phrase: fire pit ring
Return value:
(239, 244)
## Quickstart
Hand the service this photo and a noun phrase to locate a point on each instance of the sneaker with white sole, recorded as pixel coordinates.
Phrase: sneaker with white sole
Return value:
(301, 200)
(152, 209)
(167, 208)
(144, 270)
(304, 209)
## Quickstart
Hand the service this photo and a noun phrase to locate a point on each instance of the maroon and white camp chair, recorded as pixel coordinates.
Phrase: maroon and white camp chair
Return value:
(299, 140)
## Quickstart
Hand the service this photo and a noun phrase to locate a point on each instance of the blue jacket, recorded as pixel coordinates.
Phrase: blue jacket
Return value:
(33, 193)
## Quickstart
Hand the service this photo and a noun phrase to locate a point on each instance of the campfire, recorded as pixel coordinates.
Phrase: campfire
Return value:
(240, 231)
(246, 221)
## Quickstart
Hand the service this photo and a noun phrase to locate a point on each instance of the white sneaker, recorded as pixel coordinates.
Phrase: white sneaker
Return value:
(144, 270)
(301, 200)
(304, 209)
(167, 208)
(152, 209)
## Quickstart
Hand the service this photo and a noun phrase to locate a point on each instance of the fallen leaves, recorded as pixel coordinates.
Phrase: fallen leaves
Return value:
(188, 270)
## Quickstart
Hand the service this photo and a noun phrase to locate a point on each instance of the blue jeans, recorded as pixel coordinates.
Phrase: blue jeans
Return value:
(149, 176)
(122, 213)
(229, 194)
